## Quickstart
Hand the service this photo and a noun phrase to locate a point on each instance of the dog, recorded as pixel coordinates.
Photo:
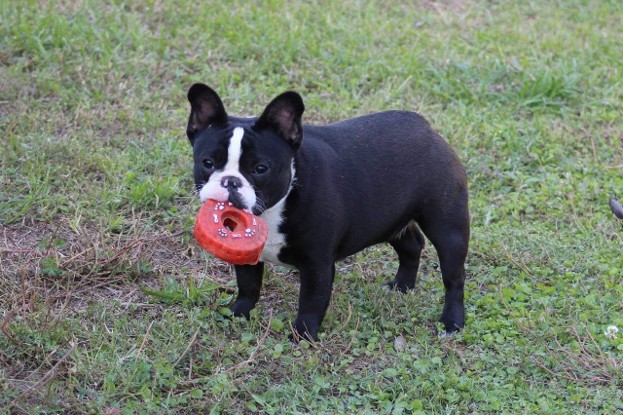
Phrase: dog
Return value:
(329, 191)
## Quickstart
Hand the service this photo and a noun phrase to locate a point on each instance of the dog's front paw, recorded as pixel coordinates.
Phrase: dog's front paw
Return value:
(304, 329)
(242, 308)
(400, 286)
(451, 326)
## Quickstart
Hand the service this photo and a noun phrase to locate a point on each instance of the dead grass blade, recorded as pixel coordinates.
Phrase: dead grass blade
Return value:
(255, 351)
(589, 365)
(50, 374)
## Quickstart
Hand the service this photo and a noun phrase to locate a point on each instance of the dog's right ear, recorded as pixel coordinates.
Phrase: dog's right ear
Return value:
(206, 109)
(283, 115)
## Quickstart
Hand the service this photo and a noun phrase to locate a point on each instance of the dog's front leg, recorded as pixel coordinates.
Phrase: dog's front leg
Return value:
(316, 286)
(249, 278)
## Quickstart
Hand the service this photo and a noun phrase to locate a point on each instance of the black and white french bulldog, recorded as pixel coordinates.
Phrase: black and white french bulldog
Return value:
(327, 192)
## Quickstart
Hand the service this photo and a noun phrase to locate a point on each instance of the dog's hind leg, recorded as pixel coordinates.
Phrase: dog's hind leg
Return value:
(408, 245)
(450, 237)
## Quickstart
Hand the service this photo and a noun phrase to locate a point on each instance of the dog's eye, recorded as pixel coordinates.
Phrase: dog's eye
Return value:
(260, 169)
(208, 164)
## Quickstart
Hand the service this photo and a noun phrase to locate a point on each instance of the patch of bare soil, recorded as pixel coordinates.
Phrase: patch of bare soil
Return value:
(49, 271)
(70, 267)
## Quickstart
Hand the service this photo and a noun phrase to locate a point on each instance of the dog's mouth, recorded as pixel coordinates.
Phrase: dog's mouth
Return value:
(235, 198)
(240, 197)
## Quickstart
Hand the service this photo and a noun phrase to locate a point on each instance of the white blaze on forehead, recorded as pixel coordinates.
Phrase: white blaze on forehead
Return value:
(214, 188)
(234, 151)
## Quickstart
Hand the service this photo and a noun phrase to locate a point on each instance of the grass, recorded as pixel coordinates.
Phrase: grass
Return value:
(108, 306)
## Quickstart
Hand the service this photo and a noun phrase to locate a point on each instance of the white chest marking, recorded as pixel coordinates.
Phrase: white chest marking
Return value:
(273, 218)
(276, 240)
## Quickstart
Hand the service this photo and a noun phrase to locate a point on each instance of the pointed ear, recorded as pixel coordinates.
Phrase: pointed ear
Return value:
(206, 108)
(284, 115)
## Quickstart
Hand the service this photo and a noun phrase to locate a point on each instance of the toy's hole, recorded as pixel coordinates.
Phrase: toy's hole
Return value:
(230, 224)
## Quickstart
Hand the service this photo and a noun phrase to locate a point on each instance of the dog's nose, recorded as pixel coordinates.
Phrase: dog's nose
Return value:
(231, 182)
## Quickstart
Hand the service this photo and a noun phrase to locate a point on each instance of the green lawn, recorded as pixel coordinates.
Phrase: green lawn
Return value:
(107, 305)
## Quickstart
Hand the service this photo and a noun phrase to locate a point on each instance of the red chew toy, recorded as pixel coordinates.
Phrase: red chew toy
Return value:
(231, 234)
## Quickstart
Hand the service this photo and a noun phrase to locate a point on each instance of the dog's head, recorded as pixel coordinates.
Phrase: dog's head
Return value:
(248, 162)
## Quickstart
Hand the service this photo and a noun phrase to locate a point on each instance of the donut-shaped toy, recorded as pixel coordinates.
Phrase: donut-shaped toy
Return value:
(231, 234)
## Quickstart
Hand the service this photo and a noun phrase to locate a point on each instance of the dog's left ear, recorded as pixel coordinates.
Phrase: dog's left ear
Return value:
(284, 115)
(206, 108)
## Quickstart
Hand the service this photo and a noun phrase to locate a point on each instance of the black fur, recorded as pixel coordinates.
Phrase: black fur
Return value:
(358, 183)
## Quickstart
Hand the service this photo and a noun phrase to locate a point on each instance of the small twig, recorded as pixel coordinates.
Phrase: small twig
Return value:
(595, 158)
(4, 329)
(190, 344)
(51, 373)
(585, 352)
(348, 347)
(70, 260)
(552, 373)
(58, 315)
(98, 285)
(257, 348)
(587, 361)
(572, 357)
(20, 251)
(140, 348)
(350, 314)
(520, 265)
(590, 336)
(190, 368)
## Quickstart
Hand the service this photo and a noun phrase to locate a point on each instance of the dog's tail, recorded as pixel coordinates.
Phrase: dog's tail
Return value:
(616, 208)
